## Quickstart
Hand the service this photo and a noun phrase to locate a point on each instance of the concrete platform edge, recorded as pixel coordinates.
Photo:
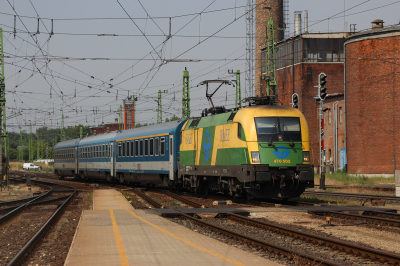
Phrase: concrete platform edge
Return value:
(73, 240)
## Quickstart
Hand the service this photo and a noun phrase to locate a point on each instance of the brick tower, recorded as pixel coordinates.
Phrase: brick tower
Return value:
(262, 17)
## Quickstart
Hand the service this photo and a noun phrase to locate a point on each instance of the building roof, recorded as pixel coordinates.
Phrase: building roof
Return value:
(375, 33)
(104, 125)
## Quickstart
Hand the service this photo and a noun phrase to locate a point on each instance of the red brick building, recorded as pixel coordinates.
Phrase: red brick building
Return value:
(262, 17)
(372, 101)
(105, 127)
(299, 61)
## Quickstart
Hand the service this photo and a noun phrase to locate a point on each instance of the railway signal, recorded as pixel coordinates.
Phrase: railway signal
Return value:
(295, 100)
(322, 86)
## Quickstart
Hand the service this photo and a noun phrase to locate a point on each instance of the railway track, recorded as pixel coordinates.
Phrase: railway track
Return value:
(58, 195)
(339, 245)
(352, 196)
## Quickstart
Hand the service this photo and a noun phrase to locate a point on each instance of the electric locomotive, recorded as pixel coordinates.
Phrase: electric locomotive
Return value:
(261, 151)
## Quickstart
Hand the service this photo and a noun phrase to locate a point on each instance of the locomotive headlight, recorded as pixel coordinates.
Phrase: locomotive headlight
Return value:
(306, 156)
(255, 156)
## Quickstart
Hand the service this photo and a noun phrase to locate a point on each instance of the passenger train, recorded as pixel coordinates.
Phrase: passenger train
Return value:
(258, 151)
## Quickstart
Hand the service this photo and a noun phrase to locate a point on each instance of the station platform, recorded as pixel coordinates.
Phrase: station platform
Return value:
(114, 233)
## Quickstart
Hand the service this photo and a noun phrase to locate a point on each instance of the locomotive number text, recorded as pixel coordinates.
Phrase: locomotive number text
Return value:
(281, 161)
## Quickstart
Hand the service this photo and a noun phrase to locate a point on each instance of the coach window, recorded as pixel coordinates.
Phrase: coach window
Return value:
(146, 147)
(123, 148)
(171, 145)
(132, 149)
(136, 148)
(141, 147)
(162, 146)
(119, 149)
(157, 146)
(151, 147)
(106, 148)
(104, 151)
(126, 148)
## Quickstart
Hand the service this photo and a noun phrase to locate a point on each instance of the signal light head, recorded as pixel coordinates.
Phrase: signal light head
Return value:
(322, 90)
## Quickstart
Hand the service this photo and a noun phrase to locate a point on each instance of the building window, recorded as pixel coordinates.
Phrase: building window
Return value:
(162, 146)
(151, 147)
(340, 115)
(323, 116)
(330, 155)
(330, 116)
(141, 147)
(146, 147)
(157, 146)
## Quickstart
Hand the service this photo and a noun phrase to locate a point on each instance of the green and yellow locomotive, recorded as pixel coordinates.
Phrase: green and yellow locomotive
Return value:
(260, 151)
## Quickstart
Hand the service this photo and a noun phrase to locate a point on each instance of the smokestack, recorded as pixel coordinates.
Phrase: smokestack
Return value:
(306, 21)
(297, 23)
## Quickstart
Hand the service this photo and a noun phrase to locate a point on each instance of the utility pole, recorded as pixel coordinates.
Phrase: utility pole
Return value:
(30, 143)
(80, 132)
(159, 107)
(185, 95)
(238, 103)
(121, 119)
(37, 146)
(62, 128)
(21, 149)
(4, 176)
(270, 77)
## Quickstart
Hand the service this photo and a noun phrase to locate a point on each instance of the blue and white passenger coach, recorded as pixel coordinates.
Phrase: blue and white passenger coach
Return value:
(65, 157)
(148, 154)
(96, 156)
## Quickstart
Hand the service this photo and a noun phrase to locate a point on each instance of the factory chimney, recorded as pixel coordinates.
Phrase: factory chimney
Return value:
(306, 21)
(297, 23)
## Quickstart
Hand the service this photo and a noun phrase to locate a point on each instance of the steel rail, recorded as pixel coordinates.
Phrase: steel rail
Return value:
(185, 200)
(17, 260)
(272, 248)
(151, 201)
(388, 215)
(350, 195)
(371, 219)
(366, 252)
(17, 210)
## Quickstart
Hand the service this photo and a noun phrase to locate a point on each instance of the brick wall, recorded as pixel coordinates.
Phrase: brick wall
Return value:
(305, 78)
(373, 107)
(262, 17)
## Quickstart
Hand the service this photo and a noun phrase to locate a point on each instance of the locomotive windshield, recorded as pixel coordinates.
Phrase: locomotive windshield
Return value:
(271, 129)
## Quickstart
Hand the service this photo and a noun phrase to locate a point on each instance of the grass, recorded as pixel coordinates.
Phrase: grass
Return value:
(90, 195)
(342, 178)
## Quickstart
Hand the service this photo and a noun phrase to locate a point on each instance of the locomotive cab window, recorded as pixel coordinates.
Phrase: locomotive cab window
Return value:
(162, 146)
(272, 129)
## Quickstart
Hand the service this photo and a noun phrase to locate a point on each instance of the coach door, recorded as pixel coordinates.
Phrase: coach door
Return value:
(76, 160)
(171, 157)
(111, 152)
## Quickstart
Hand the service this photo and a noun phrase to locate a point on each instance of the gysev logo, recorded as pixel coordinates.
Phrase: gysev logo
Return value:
(207, 145)
(281, 152)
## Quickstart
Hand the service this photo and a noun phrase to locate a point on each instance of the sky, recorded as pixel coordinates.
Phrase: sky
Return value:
(112, 49)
